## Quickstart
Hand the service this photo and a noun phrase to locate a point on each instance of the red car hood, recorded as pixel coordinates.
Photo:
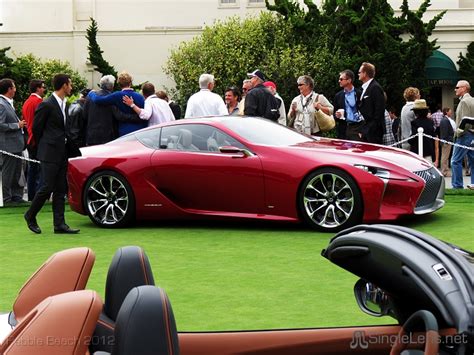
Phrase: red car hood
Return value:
(357, 151)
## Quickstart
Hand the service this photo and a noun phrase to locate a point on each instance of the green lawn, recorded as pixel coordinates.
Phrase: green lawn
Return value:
(223, 275)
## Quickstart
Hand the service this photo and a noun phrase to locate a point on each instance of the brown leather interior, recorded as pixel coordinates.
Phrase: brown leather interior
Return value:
(284, 342)
(356, 340)
(61, 324)
(64, 271)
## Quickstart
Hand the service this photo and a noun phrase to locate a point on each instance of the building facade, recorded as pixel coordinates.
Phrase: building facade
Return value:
(138, 36)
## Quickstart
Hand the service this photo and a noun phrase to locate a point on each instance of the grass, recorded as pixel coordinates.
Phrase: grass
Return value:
(223, 275)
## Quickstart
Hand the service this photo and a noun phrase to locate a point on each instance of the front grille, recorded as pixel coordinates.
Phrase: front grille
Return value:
(433, 180)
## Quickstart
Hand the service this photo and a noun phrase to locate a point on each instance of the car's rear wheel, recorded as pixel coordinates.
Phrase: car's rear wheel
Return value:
(109, 200)
(330, 200)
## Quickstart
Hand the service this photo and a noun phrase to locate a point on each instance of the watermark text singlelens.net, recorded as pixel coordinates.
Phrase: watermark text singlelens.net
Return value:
(363, 340)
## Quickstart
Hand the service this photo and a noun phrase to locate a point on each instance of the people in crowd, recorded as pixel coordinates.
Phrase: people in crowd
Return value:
(102, 120)
(303, 107)
(156, 110)
(446, 133)
(388, 137)
(464, 136)
(407, 116)
(246, 86)
(12, 140)
(175, 108)
(232, 99)
(371, 105)
(33, 178)
(422, 120)
(259, 101)
(205, 102)
(116, 98)
(436, 117)
(76, 122)
(346, 110)
(395, 124)
(270, 85)
(54, 149)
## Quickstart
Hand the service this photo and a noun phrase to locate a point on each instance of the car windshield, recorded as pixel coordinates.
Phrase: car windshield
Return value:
(262, 131)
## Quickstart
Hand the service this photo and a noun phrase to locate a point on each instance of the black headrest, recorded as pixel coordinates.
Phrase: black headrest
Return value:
(145, 324)
(129, 268)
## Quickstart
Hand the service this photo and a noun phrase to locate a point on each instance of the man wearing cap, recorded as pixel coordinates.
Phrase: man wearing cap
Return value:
(464, 136)
(270, 85)
(259, 101)
(205, 102)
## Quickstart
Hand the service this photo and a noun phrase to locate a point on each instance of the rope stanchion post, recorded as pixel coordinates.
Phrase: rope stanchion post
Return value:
(420, 141)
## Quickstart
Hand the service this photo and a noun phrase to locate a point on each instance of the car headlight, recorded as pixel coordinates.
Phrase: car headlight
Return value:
(384, 174)
(379, 172)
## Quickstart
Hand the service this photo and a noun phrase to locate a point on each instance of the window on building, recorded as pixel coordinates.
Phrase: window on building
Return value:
(256, 2)
(228, 3)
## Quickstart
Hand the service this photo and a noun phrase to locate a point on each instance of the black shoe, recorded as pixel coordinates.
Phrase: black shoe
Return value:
(65, 229)
(32, 224)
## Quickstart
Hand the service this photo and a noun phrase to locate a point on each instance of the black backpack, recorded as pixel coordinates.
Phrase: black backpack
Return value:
(272, 107)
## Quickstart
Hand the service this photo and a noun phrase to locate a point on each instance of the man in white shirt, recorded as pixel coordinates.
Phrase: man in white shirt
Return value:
(156, 110)
(205, 102)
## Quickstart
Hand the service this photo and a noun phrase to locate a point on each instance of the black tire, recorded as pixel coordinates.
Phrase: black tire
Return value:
(109, 200)
(330, 200)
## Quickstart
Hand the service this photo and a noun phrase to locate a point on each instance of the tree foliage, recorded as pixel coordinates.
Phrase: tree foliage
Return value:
(95, 53)
(466, 64)
(27, 67)
(369, 31)
(232, 48)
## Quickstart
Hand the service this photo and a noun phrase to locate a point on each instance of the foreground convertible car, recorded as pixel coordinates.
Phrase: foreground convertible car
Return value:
(248, 168)
(425, 284)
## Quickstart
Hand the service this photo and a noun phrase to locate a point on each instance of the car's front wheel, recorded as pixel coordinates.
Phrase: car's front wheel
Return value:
(109, 200)
(330, 200)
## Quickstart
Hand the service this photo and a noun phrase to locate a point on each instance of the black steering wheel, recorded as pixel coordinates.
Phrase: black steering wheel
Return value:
(431, 337)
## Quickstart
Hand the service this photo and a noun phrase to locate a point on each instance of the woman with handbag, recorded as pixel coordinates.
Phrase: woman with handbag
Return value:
(304, 107)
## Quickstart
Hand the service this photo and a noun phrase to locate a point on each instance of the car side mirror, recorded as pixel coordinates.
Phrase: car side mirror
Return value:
(371, 299)
(228, 149)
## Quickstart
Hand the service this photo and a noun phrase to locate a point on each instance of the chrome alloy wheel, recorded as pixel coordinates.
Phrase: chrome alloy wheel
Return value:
(328, 200)
(107, 200)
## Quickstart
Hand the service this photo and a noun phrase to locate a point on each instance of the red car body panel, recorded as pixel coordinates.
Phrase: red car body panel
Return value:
(173, 184)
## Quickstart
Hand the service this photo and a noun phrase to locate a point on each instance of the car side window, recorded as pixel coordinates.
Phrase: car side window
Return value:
(196, 137)
(149, 138)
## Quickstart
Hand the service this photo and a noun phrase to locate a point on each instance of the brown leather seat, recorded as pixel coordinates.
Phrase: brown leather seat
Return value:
(61, 324)
(64, 271)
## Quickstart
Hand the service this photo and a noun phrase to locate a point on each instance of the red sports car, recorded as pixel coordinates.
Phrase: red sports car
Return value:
(246, 167)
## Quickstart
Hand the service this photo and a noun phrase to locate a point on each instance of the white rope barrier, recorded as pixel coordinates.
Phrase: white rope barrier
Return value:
(434, 138)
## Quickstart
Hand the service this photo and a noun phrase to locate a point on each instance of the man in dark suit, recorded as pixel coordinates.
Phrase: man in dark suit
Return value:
(346, 108)
(54, 149)
(11, 141)
(372, 105)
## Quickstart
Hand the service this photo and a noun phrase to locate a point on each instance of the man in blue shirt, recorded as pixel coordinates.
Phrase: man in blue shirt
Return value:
(116, 98)
(346, 111)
